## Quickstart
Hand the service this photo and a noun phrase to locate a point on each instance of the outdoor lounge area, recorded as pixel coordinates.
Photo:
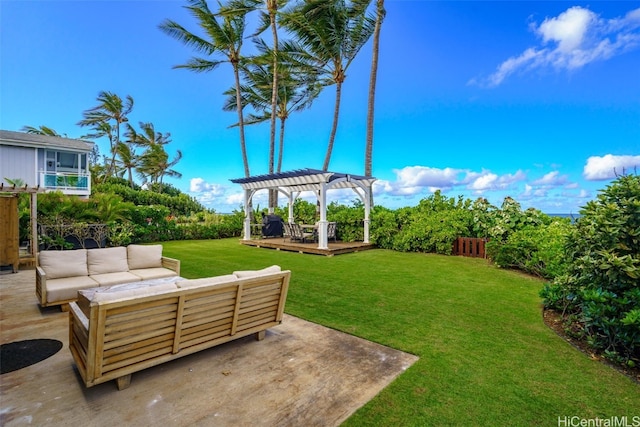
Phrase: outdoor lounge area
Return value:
(292, 377)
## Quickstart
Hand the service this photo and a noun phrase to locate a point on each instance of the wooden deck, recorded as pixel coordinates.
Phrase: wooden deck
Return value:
(284, 244)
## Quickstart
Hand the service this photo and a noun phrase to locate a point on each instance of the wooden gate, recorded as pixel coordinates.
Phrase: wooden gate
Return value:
(470, 247)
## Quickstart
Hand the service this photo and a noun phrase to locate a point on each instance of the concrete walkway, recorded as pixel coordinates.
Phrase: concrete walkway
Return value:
(301, 374)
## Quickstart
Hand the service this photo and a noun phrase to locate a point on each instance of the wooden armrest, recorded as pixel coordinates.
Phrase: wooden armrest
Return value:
(75, 311)
(171, 264)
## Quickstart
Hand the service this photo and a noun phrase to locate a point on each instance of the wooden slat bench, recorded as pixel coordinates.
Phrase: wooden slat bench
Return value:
(112, 337)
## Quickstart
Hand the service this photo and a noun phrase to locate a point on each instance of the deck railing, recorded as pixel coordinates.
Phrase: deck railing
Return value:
(65, 180)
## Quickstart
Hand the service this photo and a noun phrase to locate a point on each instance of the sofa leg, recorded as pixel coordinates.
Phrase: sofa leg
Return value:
(123, 382)
(260, 335)
(64, 307)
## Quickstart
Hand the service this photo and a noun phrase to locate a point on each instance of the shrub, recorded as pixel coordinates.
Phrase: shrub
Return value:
(602, 285)
(537, 250)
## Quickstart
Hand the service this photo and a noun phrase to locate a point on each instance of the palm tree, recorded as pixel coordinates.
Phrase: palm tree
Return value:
(297, 89)
(224, 38)
(42, 130)
(368, 152)
(127, 160)
(111, 108)
(149, 136)
(155, 164)
(332, 33)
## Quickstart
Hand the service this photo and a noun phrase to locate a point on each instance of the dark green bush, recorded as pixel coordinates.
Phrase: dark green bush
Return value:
(600, 289)
(537, 250)
(178, 204)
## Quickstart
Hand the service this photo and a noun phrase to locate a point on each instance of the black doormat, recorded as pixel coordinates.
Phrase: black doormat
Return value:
(20, 354)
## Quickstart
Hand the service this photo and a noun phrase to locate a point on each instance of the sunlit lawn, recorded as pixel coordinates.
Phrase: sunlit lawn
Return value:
(486, 357)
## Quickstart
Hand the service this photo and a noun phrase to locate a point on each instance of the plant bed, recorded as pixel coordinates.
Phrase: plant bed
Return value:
(555, 321)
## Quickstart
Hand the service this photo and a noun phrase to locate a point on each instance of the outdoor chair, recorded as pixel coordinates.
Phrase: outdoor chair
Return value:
(331, 231)
(296, 234)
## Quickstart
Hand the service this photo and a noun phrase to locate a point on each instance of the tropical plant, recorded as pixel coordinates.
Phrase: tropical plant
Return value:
(225, 36)
(155, 164)
(105, 119)
(600, 292)
(330, 35)
(41, 130)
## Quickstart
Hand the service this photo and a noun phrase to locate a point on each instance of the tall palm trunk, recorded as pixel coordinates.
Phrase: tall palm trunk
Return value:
(243, 144)
(272, 6)
(368, 156)
(334, 127)
(281, 144)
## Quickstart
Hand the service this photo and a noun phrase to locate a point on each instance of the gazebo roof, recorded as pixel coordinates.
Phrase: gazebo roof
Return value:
(303, 180)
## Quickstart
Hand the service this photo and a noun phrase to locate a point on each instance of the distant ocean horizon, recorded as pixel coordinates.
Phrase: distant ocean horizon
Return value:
(573, 216)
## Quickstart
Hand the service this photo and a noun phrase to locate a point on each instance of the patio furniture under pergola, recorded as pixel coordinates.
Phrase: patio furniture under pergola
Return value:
(293, 183)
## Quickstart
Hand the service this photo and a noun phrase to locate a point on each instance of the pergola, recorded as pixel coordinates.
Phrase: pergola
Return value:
(293, 183)
(33, 209)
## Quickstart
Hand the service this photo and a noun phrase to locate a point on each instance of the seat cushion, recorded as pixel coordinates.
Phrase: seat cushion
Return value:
(241, 274)
(153, 273)
(207, 281)
(67, 288)
(116, 278)
(58, 264)
(107, 260)
(144, 256)
(126, 291)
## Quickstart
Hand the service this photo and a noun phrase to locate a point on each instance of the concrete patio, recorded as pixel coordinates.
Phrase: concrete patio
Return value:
(300, 374)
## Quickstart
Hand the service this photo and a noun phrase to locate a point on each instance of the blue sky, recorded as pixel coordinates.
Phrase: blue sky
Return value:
(539, 101)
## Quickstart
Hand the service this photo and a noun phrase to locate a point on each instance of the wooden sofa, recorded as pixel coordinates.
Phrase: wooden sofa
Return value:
(61, 274)
(116, 331)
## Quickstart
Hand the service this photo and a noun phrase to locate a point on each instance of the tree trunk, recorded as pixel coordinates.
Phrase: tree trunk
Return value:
(243, 145)
(336, 114)
(368, 156)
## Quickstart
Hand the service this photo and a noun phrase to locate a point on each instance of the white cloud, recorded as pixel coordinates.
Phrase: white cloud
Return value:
(423, 176)
(199, 185)
(568, 29)
(552, 179)
(484, 182)
(490, 181)
(606, 167)
(412, 180)
(572, 40)
(235, 199)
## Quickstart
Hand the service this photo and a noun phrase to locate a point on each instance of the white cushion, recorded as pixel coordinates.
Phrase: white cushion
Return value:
(58, 264)
(107, 260)
(206, 281)
(126, 291)
(153, 273)
(144, 256)
(116, 278)
(252, 273)
(67, 288)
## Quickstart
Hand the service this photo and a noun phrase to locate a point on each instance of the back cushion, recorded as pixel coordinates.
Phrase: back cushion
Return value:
(125, 291)
(107, 260)
(206, 281)
(144, 256)
(241, 274)
(57, 264)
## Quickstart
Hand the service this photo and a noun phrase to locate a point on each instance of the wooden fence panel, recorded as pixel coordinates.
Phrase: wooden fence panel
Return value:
(470, 247)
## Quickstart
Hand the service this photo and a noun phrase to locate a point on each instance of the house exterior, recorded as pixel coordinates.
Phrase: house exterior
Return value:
(48, 162)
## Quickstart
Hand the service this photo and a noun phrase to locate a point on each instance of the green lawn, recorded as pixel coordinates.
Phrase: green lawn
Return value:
(486, 357)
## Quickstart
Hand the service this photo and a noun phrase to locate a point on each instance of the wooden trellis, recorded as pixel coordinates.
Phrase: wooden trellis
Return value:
(33, 213)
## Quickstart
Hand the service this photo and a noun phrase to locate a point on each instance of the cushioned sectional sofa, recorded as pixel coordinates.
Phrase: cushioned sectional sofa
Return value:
(61, 274)
(115, 331)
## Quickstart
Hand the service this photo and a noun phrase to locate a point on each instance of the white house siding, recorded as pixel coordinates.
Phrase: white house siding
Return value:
(18, 163)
